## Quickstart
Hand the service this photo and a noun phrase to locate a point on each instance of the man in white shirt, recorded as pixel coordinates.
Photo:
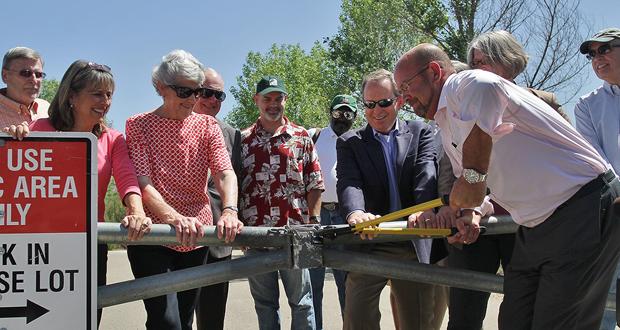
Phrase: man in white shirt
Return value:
(550, 179)
(597, 114)
(342, 113)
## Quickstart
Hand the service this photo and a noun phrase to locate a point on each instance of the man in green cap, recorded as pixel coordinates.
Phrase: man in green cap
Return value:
(597, 114)
(281, 186)
(342, 114)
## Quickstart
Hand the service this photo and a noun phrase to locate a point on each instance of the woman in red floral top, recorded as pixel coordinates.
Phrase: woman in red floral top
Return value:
(174, 151)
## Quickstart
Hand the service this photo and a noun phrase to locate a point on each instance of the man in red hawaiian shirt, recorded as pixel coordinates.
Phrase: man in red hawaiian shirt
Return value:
(281, 185)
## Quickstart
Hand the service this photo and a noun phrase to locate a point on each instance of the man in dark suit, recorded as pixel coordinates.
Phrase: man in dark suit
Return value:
(383, 167)
(211, 307)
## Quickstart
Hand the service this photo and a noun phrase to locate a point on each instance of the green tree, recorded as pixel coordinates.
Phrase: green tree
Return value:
(309, 77)
(48, 89)
(549, 30)
(373, 35)
(114, 209)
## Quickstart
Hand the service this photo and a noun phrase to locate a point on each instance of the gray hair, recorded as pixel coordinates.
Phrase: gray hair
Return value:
(20, 52)
(176, 65)
(459, 66)
(501, 48)
(379, 75)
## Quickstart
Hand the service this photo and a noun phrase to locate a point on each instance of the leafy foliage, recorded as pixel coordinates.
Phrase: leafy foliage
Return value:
(48, 89)
(309, 79)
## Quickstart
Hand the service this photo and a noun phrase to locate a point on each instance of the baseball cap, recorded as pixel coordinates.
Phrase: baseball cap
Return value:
(270, 84)
(344, 101)
(605, 35)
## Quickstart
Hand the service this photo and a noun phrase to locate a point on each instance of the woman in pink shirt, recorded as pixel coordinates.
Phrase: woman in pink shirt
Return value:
(84, 97)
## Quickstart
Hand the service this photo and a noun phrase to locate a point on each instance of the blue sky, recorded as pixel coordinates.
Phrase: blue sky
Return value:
(132, 36)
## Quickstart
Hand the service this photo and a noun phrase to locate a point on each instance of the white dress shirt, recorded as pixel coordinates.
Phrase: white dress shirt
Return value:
(538, 160)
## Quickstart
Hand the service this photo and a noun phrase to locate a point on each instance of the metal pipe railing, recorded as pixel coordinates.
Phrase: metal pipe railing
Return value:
(166, 235)
(191, 278)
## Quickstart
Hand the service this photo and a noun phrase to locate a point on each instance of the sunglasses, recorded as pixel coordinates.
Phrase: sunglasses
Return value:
(382, 103)
(26, 73)
(99, 67)
(602, 50)
(185, 92)
(208, 92)
(348, 115)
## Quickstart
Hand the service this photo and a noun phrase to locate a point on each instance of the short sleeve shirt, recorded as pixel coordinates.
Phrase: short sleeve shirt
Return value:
(278, 172)
(177, 156)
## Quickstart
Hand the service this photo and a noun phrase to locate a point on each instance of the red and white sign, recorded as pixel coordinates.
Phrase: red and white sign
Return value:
(48, 231)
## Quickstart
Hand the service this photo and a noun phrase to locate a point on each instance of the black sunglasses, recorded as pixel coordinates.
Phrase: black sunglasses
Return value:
(348, 115)
(382, 103)
(602, 50)
(26, 73)
(185, 92)
(99, 67)
(208, 92)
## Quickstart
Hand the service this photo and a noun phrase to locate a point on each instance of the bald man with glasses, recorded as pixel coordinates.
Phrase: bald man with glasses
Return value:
(22, 72)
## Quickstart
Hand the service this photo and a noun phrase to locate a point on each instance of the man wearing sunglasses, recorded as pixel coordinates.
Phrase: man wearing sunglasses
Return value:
(597, 114)
(342, 114)
(211, 307)
(386, 166)
(541, 170)
(22, 72)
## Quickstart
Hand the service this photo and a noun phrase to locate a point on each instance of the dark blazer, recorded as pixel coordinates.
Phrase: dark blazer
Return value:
(232, 138)
(362, 173)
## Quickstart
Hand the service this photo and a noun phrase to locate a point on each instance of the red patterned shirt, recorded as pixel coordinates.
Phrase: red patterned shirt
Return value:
(278, 172)
(177, 156)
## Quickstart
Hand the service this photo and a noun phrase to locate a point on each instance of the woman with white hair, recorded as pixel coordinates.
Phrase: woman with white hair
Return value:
(174, 151)
(499, 52)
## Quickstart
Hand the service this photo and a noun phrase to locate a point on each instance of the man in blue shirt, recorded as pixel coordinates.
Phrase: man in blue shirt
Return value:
(597, 114)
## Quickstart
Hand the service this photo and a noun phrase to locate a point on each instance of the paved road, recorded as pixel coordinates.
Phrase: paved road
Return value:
(240, 310)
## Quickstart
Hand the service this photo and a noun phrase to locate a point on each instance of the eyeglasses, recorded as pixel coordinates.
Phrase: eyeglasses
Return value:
(602, 50)
(348, 115)
(405, 85)
(185, 92)
(208, 92)
(382, 103)
(27, 73)
(99, 67)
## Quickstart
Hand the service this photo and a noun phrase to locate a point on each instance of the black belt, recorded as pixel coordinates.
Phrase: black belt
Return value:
(329, 206)
(590, 187)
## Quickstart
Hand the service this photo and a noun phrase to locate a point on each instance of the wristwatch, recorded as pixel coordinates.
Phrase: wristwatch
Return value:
(472, 176)
(231, 207)
(315, 218)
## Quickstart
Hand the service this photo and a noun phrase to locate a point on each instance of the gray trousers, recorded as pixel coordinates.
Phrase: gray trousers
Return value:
(561, 270)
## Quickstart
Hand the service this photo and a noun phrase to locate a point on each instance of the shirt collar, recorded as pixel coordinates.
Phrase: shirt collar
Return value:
(331, 132)
(442, 104)
(612, 89)
(16, 106)
(392, 132)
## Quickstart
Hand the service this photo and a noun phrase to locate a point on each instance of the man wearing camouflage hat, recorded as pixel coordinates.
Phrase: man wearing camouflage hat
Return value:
(597, 114)
(342, 114)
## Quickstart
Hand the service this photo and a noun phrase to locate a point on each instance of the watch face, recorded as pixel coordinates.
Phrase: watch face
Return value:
(472, 176)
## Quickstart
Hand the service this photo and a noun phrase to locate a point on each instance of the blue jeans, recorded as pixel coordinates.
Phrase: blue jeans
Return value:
(609, 317)
(317, 275)
(266, 293)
